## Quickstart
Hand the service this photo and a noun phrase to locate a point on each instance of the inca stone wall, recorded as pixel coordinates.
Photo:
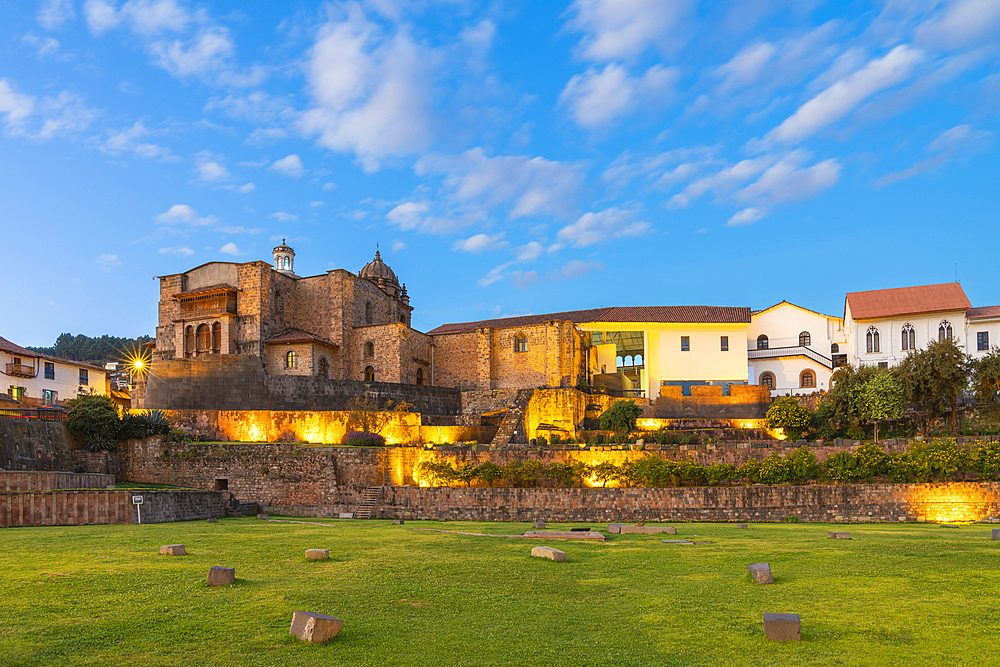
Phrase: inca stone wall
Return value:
(53, 481)
(72, 508)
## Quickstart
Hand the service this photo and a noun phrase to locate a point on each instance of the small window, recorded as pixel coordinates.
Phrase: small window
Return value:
(420, 376)
(883, 364)
(217, 337)
(291, 360)
(369, 349)
(50, 370)
(324, 368)
(84, 377)
(767, 380)
(520, 343)
(17, 393)
(50, 397)
(638, 360)
(724, 343)
(189, 341)
(871, 341)
(685, 343)
(805, 339)
(909, 338)
(982, 343)
(834, 349)
(369, 374)
(807, 380)
(368, 312)
(221, 484)
(762, 342)
(944, 331)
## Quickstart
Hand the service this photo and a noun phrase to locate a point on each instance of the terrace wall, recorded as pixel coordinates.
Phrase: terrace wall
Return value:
(79, 507)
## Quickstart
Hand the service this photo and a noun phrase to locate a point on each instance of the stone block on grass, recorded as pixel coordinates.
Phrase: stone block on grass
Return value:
(761, 573)
(615, 528)
(262, 516)
(212, 519)
(318, 554)
(221, 576)
(539, 525)
(398, 522)
(838, 536)
(172, 550)
(550, 553)
(996, 533)
(743, 526)
(346, 515)
(312, 627)
(783, 627)
(647, 530)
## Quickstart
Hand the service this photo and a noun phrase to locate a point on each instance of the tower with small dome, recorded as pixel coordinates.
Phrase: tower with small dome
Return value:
(284, 259)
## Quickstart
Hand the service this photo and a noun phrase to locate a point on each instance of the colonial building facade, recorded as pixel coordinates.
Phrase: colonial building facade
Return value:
(33, 379)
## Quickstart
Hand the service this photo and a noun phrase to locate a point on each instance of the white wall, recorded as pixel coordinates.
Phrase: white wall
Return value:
(66, 382)
(990, 326)
(890, 336)
(783, 323)
(787, 372)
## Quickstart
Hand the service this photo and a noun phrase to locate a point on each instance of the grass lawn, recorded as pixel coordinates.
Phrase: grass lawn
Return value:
(102, 595)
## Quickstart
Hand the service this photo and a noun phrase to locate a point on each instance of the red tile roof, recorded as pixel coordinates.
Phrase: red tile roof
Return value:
(907, 301)
(665, 314)
(294, 335)
(7, 346)
(983, 312)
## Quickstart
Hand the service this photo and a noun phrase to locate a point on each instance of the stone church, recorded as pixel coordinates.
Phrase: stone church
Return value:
(336, 326)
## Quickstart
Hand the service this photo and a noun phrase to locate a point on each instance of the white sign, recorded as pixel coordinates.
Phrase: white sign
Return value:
(136, 500)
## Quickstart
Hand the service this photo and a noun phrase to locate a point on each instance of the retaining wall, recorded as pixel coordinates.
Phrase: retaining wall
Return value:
(51, 481)
(74, 508)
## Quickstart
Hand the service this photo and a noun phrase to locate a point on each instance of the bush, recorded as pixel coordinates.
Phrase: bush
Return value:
(364, 439)
(786, 414)
(94, 419)
(621, 418)
(541, 441)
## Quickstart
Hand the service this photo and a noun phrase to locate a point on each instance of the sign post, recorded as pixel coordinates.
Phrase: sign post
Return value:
(137, 500)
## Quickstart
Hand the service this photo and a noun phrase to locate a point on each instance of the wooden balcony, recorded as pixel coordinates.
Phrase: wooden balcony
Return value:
(21, 370)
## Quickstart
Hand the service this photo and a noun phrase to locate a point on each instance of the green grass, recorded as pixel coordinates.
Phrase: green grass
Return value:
(102, 595)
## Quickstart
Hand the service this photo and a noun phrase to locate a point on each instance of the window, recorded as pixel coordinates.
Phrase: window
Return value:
(883, 364)
(871, 341)
(290, 359)
(834, 349)
(368, 312)
(805, 339)
(17, 393)
(944, 331)
(49, 397)
(982, 343)
(50, 370)
(204, 338)
(762, 342)
(17, 361)
(324, 368)
(909, 337)
(638, 360)
(420, 376)
(369, 349)
(724, 343)
(619, 362)
(221, 484)
(685, 343)
(807, 379)
(369, 374)
(189, 341)
(767, 380)
(520, 343)
(217, 337)
(84, 378)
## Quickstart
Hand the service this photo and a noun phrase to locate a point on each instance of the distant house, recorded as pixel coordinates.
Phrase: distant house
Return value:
(34, 379)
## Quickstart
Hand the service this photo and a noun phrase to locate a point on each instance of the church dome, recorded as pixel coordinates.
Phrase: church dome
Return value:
(378, 270)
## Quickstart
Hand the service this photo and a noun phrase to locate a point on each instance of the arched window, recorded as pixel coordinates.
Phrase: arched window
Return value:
(291, 361)
(369, 349)
(288, 262)
(805, 339)
(871, 341)
(944, 331)
(369, 374)
(807, 379)
(204, 338)
(520, 343)
(324, 368)
(834, 349)
(767, 379)
(217, 337)
(628, 360)
(420, 376)
(762, 342)
(619, 362)
(638, 360)
(909, 337)
(402, 319)
(368, 312)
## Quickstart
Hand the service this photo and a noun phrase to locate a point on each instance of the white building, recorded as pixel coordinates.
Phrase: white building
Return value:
(793, 350)
(982, 330)
(35, 379)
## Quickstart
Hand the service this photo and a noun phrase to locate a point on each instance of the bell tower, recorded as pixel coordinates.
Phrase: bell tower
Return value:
(284, 259)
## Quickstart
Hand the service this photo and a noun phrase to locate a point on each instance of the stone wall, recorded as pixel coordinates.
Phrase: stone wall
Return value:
(73, 508)
(238, 382)
(49, 446)
(707, 402)
(53, 481)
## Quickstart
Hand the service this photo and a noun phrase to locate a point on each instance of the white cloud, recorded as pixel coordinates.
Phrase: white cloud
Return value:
(238, 230)
(959, 140)
(290, 166)
(846, 94)
(575, 268)
(961, 23)
(317, 203)
(418, 215)
(264, 135)
(247, 188)
(746, 66)
(408, 214)
(596, 98)
(184, 214)
(744, 217)
(329, 186)
(397, 246)
(43, 45)
(14, 106)
(480, 243)
(230, 249)
(206, 52)
(623, 29)
(108, 262)
(183, 251)
(529, 251)
(282, 216)
(101, 16)
(602, 226)
(63, 114)
(787, 181)
(723, 181)
(210, 169)
(372, 92)
(53, 13)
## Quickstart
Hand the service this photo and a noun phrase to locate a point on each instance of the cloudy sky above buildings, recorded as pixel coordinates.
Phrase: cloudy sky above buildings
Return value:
(507, 157)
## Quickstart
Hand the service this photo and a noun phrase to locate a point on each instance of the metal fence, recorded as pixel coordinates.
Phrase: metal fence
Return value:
(37, 414)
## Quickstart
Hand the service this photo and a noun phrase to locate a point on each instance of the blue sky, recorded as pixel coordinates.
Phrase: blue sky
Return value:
(508, 157)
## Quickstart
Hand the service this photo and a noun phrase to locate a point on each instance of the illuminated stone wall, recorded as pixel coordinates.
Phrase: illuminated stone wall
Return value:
(744, 402)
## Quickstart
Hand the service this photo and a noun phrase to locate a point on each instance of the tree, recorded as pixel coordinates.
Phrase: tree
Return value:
(881, 397)
(786, 414)
(985, 377)
(933, 378)
(621, 418)
(839, 407)
(95, 420)
(368, 415)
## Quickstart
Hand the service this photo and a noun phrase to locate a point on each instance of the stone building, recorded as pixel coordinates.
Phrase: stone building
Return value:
(336, 325)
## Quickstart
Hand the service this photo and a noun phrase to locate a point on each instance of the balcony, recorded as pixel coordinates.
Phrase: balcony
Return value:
(791, 351)
(20, 370)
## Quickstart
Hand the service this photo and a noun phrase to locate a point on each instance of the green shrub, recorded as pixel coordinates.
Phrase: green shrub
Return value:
(94, 419)
(621, 418)
(541, 441)
(786, 413)
(555, 439)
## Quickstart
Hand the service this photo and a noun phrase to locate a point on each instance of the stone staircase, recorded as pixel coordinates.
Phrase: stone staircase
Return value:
(236, 507)
(511, 429)
(369, 499)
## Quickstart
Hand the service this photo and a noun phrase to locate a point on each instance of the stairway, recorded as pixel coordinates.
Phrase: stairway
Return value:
(511, 429)
(369, 499)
